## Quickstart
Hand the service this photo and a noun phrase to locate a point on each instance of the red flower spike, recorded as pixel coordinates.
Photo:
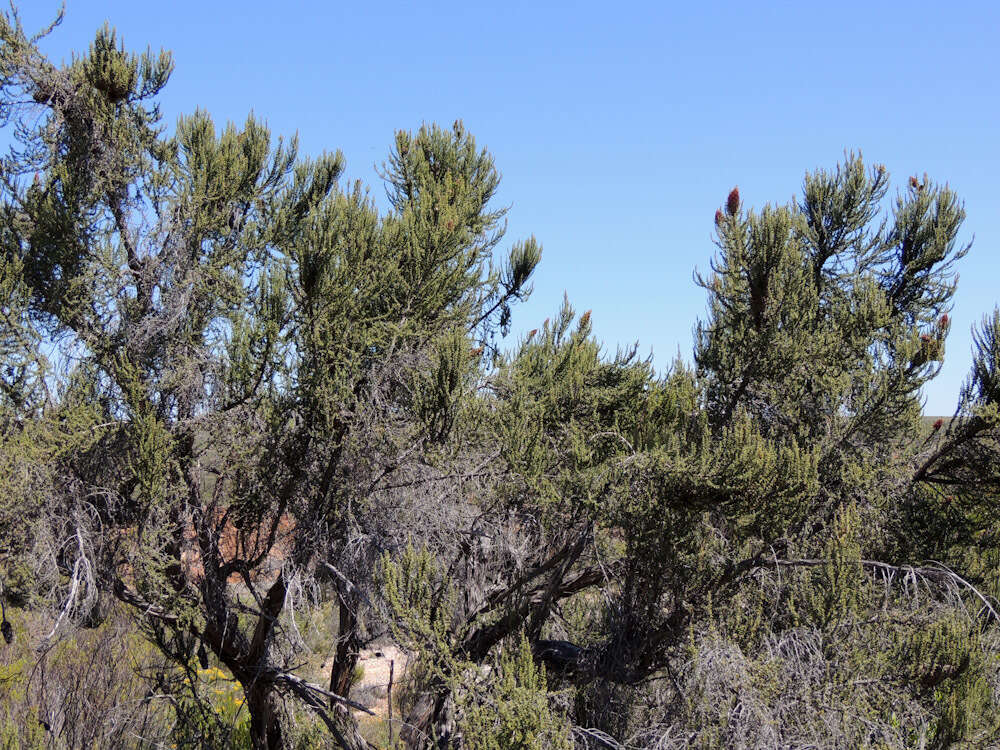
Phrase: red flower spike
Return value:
(718, 218)
(937, 424)
(925, 337)
(913, 182)
(733, 201)
(945, 320)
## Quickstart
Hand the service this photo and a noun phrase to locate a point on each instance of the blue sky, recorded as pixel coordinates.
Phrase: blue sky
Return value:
(619, 128)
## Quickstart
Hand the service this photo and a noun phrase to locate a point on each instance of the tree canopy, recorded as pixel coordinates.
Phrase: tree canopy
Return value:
(237, 395)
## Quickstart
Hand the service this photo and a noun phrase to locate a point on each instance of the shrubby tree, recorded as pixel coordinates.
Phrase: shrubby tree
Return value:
(783, 497)
(237, 353)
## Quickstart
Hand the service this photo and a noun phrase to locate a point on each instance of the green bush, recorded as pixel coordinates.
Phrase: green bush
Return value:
(512, 710)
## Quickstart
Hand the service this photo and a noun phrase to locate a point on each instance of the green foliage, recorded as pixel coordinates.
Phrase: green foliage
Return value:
(980, 395)
(512, 710)
(22, 365)
(945, 663)
(838, 591)
(420, 603)
(817, 310)
(443, 389)
(211, 712)
(16, 734)
(231, 387)
(204, 280)
(87, 688)
(18, 582)
(506, 705)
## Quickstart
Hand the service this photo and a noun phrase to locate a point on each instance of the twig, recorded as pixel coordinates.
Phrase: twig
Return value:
(392, 664)
(939, 574)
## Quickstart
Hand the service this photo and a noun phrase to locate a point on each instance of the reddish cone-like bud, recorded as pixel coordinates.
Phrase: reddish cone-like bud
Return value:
(945, 320)
(531, 333)
(733, 201)
(925, 337)
(937, 424)
(585, 319)
(718, 218)
(913, 182)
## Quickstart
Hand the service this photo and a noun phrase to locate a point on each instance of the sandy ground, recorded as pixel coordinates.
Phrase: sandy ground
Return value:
(372, 690)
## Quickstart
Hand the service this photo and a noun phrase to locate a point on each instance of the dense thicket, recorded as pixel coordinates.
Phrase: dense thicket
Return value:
(239, 405)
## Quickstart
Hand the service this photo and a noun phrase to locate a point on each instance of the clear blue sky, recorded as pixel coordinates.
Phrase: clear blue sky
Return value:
(619, 127)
